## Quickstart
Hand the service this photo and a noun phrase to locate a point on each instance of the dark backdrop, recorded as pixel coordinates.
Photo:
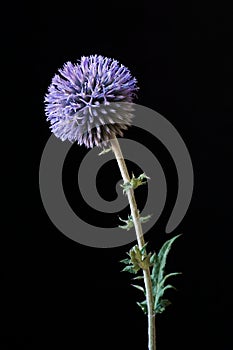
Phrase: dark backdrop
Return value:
(58, 292)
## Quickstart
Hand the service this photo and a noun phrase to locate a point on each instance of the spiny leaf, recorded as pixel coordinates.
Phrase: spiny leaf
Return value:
(138, 259)
(105, 150)
(138, 287)
(157, 275)
(126, 227)
(123, 220)
(143, 306)
(138, 278)
(143, 176)
(126, 186)
(138, 181)
(131, 269)
(125, 261)
(129, 223)
(144, 219)
(162, 256)
(169, 275)
(135, 182)
(162, 290)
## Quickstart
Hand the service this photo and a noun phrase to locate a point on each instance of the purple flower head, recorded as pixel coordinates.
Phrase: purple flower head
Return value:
(91, 101)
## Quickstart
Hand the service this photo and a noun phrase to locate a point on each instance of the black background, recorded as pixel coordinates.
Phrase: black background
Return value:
(56, 292)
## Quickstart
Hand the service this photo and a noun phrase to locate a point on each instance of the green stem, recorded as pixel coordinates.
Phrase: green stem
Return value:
(140, 239)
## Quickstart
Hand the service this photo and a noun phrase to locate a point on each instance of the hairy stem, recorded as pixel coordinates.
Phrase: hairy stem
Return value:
(140, 239)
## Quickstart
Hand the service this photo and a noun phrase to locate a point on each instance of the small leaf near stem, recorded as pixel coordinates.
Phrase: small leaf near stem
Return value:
(135, 182)
(139, 259)
(129, 223)
(105, 150)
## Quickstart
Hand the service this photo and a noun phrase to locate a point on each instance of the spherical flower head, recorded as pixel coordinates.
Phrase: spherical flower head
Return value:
(91, 101)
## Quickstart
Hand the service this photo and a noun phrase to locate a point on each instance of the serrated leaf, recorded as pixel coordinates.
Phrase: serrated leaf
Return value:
(154, 290)
(134, 182)
(157, 274)
(162, 256)
(155, 270)
(138, 287)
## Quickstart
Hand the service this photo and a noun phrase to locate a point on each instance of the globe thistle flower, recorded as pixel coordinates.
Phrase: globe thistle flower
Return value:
(91, 101)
